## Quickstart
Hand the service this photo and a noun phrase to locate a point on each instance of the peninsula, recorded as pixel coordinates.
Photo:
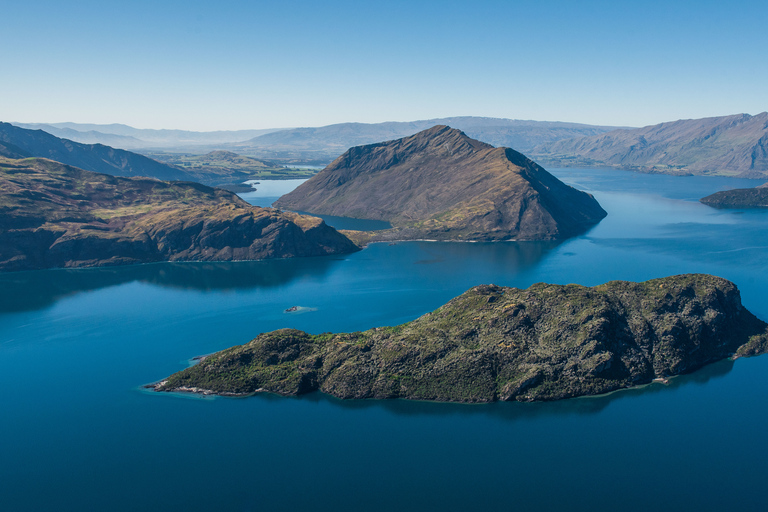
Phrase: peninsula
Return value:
(440, 184)
(494, 343)
(739, 198)
(54, 215)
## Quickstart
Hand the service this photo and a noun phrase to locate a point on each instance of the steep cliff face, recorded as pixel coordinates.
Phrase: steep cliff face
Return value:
(53, 215)
(444, 185)
(493, 343)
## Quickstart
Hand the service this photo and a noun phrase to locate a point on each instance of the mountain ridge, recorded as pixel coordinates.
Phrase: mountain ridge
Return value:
(324, 143)
(139, 138)
(441, 184)
(328, 139)
(735, 145)
(89, 157)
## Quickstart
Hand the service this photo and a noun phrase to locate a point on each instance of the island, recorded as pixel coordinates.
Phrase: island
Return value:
(739, 198)
(440, 184)
(55, 215)
(491, 343)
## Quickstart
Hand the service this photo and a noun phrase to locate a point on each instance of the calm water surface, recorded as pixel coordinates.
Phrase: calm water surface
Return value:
(78, 433)
(268, 191)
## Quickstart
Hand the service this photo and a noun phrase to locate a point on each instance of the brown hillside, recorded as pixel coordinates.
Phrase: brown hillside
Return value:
(441, 184)
(54, 215)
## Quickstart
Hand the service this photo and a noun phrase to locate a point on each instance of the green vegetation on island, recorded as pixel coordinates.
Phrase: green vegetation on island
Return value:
(494, 343)
(739, 198)
(54, 215)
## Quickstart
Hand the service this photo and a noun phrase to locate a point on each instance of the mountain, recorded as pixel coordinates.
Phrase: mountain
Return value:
(127, 137)
(323, 144)
(313, 146)
(495, 343)
(441, 184)
(734, 145)
(18, 142)
(54, 215)
(87, 137)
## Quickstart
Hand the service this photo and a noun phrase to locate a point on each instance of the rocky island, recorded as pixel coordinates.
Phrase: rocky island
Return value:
(739, 198)
(54, 215)
(440, 184)
(494, 343)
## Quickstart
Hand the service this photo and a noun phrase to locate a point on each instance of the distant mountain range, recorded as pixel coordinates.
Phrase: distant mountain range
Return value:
(734, 145)
(18, 142)
(319, 145)
(127, 137)
(323, 144)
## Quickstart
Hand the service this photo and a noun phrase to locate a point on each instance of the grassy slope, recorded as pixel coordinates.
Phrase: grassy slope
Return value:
(55, 215)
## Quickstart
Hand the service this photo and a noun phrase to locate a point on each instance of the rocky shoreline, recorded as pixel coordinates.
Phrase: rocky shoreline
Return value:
(547, 342)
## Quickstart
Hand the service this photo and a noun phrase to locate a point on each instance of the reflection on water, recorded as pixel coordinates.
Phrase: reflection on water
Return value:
(77, 421)
(22, 291)
(351, 223)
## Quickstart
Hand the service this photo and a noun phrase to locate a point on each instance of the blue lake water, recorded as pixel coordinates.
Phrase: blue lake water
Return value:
(267, 192)
(79, 433)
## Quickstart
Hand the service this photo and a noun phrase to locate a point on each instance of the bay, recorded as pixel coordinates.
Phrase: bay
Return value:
(267, 192)
(79, 432)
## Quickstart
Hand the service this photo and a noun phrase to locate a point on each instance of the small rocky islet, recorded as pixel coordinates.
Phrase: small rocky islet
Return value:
(492, 343)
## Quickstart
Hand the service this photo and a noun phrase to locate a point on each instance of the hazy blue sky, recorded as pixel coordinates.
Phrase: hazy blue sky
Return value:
(255, 64)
